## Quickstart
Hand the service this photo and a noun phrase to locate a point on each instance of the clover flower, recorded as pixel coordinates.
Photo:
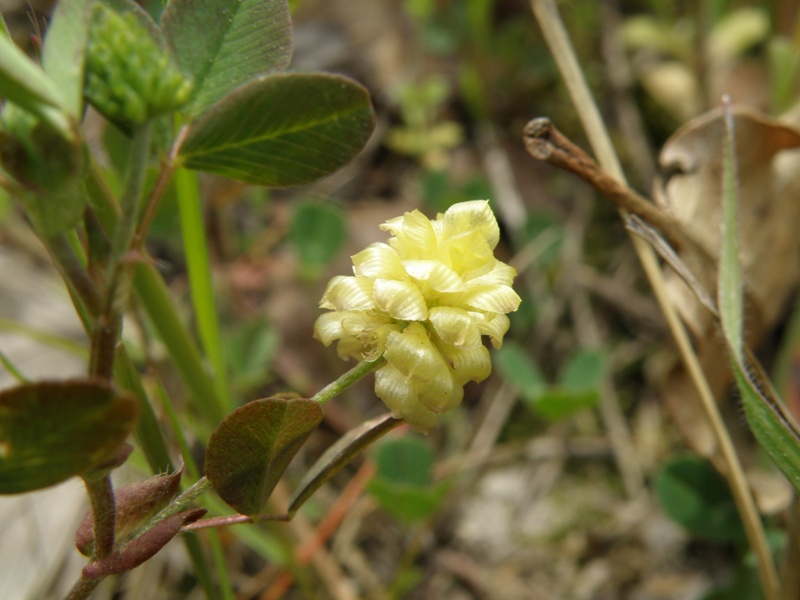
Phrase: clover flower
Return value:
(423, 302)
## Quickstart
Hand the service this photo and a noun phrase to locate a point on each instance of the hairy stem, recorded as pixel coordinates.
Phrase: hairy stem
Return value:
(118, 271)
(101, 497)
(82, 589)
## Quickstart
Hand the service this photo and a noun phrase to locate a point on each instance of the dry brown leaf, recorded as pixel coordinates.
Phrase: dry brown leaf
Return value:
(769, 212)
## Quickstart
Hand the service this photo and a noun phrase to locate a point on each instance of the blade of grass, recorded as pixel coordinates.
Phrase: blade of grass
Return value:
(218, 556)
(189, 464)
(45, 337)
(196, 250)
(771, 423)
(730, 271)
(563, 53)
(12, 369)
(158, 304)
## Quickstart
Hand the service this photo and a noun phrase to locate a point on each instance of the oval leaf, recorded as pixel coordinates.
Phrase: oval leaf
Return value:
(225, 43)
(282, 130)
(517, 368)
(409, 503)
(50, 431)
(557, 403)
(405, 460)
(249, 451)
(584, 371)
(402, 482)
(318, 232)
(64, 51)
(696, 496)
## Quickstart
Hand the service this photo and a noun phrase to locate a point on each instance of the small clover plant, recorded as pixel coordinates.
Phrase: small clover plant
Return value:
(205, 88)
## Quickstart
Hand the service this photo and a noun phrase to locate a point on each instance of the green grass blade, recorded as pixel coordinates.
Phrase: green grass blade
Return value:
(218, 556)
(12, 369)
(153, 294)
(203, 299)
(766, 415)
(730, 270)
(148, 432)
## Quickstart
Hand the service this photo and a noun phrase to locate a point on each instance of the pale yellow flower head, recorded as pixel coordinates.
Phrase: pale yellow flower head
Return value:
(422, 302)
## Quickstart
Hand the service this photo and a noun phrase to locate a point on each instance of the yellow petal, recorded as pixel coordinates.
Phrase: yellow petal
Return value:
(440, 277)
(495, 326)
(469, 364)
(348, 293)
(413, 235)
(492, 298)
(501, 274)
(454, 326)
(401, 300)
(362, 335)
(328, 327)
(474, 215)
(378, 261)
(400, 397)
(421, 363)
(440, 394)
(413, 354)
(468, 254)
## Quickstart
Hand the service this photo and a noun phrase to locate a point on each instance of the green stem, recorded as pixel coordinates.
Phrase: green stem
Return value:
(73, 272)
(332, 390)
(131, 199)
(109, 322)
(155, 298)
(106, 208)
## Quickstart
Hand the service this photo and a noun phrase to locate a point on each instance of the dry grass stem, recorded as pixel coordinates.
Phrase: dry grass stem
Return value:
(563, 53)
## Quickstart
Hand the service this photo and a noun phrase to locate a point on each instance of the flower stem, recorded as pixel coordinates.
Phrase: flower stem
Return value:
(335, 388)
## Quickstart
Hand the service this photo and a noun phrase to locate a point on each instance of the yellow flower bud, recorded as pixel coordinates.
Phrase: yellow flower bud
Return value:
(423, 301)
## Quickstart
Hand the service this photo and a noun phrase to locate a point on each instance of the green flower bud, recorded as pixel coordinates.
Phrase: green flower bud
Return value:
(129, 76)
